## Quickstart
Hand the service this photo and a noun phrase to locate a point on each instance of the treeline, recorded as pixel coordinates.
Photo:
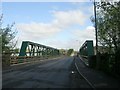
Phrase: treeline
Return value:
(68, 52)
(108, 26)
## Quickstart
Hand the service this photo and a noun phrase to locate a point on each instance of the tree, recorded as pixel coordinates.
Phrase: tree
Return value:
(108, 25)
(63, 51)
(7, 35)
(70, 51)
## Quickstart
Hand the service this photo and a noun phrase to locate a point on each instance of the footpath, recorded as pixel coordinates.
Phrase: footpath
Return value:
(97, 78)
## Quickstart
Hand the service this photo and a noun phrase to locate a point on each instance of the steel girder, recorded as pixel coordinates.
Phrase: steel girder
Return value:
(33, 49)
(87, 48)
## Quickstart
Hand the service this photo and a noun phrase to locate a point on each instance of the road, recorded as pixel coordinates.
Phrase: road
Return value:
(50, 74)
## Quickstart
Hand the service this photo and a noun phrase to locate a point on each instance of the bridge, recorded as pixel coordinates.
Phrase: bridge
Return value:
(87, 48)
(41, 66)
(86, 51)
(30, 51)
(33, 49)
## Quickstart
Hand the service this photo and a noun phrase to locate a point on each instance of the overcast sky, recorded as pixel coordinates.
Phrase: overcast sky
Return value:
(56, 24)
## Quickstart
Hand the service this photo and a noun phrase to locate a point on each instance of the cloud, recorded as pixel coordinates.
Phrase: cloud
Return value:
(79, 37)
(83, 35)
(38, 32)
(62, 20)
(39, 29)
(67, 18)
(61, 44)
(77, 40)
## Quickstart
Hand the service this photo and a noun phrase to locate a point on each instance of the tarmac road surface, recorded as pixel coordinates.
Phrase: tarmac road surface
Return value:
(50, 74)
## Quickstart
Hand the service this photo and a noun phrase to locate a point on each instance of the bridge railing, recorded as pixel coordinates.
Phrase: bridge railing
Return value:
(24, 59)
(87, 48)
(33, 49)
(86, 51)
(29, 51)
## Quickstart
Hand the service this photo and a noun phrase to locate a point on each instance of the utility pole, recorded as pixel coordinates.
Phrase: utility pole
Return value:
(96, 34)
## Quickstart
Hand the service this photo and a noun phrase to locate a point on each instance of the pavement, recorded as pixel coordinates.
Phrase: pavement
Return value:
(97, 78)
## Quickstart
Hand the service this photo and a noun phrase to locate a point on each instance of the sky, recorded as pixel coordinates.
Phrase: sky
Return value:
(61, 25)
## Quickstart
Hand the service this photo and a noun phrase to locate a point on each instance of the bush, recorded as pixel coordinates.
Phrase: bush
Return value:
(6, 59)
(92, 61)
(117, 59)
(104, 62)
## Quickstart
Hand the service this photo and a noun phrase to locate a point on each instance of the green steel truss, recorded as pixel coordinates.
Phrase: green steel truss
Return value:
(87, 48)
(33, 49)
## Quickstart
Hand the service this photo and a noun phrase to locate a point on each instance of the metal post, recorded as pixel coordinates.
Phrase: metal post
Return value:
(35, 49)
(96, 32)
(96, 28)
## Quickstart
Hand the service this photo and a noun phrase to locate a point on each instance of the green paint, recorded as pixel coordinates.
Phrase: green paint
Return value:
(23, 49)
(35, 49)
(87, 48)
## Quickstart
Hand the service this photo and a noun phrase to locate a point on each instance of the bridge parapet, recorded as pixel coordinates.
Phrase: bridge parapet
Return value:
(34, 49)
(87, 48)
